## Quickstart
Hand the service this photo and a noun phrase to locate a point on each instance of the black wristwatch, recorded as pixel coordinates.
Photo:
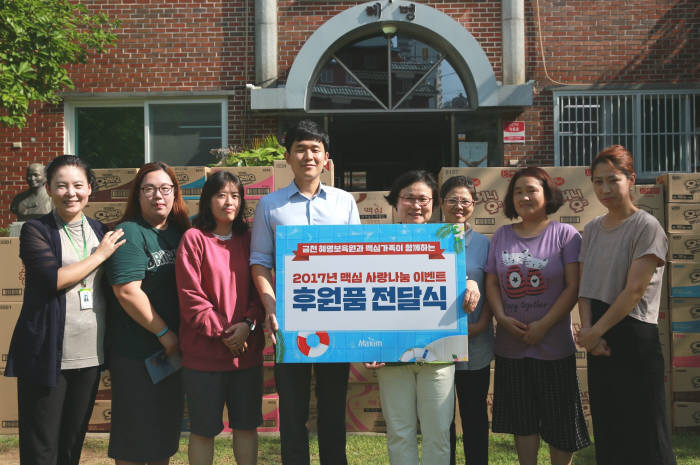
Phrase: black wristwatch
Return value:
(250, 323)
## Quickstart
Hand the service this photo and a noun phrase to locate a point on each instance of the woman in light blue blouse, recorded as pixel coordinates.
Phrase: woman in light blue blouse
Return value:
(472, 378)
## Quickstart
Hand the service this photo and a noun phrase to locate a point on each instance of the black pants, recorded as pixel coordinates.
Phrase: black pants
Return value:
(293, 382)
(627, 395)
(53, 420)
(472, 390)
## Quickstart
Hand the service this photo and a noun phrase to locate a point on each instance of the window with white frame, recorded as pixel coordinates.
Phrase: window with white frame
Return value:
(660, 128)
(127, 133)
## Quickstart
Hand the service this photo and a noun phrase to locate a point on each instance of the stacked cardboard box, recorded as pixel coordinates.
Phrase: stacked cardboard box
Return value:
(683, 228)
(11, 295)
(580, 205)
(373, 207)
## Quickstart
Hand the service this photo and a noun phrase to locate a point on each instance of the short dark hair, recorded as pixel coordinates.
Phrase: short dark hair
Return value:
(70, 160)
(205, 218)
(458, 181)
(306, 130)
(553, 197)
(408, 178)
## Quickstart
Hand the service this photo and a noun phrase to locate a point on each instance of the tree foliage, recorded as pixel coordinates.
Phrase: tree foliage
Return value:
(38, 38)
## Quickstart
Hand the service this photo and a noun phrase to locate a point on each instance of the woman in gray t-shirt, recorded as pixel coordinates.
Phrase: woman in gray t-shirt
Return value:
(622, 259)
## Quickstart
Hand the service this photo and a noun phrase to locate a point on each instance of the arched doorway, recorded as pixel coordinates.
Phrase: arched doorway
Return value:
(397, 84)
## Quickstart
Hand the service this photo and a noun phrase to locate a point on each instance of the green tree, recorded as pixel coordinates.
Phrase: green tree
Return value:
(38, 39)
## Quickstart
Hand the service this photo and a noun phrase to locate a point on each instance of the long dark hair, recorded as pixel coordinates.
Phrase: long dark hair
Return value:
(178, 214)
(70, 160)
(205, 218)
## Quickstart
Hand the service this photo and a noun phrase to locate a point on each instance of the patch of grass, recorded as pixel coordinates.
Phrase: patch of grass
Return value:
(371, 450)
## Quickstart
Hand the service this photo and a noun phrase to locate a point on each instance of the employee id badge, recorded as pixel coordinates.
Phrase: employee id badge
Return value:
(85, 295)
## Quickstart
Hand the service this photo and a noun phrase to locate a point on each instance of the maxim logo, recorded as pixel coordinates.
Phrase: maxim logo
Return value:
(695, 382)
(695, 347)
(692, 216)
(108, 214)
(649, 190)
(692, 185)
(695, 312)
(490, 201)
(246, 178)
(559, 181)
(695, 277)
(575, 198)
(692, 245)
(696, 417)
(183, 178)
(507, 174)
(107, 182)
(369, 342)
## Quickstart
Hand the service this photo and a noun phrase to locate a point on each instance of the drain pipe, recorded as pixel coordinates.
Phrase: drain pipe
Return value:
(266, 43)
(513, 14)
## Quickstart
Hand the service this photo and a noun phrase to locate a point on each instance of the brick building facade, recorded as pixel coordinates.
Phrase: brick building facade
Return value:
(201, 51)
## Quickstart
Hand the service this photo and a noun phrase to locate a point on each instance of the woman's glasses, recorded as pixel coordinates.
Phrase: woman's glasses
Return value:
(149, 190)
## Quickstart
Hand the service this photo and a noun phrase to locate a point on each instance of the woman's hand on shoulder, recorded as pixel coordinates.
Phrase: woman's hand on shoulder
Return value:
(110, 242)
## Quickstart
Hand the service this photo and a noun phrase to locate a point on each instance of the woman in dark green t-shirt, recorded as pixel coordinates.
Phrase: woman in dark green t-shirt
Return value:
(143, 320)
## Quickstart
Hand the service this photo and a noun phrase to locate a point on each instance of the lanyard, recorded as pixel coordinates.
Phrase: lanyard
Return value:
(75, 247)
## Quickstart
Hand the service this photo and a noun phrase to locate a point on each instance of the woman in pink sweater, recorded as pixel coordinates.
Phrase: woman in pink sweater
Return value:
(220, 311)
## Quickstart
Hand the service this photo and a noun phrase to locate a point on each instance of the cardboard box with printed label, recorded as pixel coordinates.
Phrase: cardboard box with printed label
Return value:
(284, 174)
(580, 204)
(664, 320)
(666, 351)
(360, 374)
(104, 389)
(681, 187)
(684, 247)
(113, 184)
(364, 409)
(686, 384)
(258, 181)
(684, 279)
(581, 356)
(685, 349)
(373, 207)
(685, 315)
(9, 312)
(101, 418)
(683, 218)
(269, 380)
(191, 180)
(192, 207)
(650, 198)
(9, 417)
(12, 271)
(686, 416)
(268, 351)
(270, 414)
(109, 213)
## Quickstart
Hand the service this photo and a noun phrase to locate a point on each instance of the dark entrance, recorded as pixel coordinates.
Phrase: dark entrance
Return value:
(369, 151)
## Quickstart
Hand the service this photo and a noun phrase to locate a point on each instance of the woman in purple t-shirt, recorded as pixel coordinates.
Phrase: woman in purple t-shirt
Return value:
(531, 286)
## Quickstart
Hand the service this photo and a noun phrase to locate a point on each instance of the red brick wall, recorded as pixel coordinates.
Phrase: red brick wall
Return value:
(190, 45)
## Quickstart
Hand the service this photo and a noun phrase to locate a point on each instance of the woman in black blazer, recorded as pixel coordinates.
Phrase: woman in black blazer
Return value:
(56, 348)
